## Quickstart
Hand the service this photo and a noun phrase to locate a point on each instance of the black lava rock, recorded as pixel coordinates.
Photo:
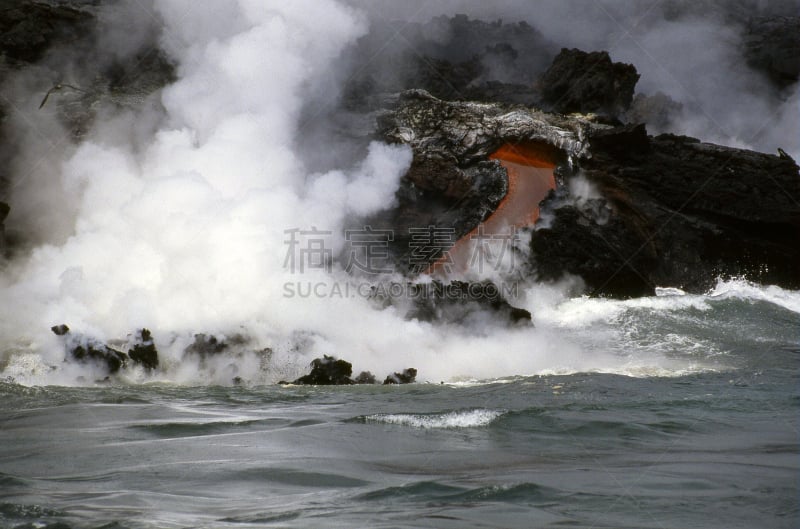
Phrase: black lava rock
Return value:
(666, 211)
(578, 81)
(206, 345)
(328, 371)
(59, 330)
(100, 353)
(435, 192)
(365, 377)
(772, 45)
(461, 302)
(29, 29)
(681, 214)
(408, 376)
(144, 350)
(88, 350)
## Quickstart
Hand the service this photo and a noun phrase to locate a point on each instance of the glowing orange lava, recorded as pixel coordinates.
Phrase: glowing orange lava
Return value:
(530, 177)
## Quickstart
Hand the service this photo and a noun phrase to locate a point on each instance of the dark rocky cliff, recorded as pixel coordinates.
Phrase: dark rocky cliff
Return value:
(673, 211)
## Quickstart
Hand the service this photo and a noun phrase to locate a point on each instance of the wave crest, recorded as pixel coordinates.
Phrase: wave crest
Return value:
(454, 419)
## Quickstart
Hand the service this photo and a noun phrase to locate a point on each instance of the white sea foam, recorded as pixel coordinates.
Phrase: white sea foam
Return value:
(453, 419)
(669, 291)
(746, 290)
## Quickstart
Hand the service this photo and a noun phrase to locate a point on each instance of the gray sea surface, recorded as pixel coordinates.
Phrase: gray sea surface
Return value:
(714, 448)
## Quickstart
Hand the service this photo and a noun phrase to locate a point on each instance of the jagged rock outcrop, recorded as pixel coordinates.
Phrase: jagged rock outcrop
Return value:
(328, 371)
(673, 211)
(144, 350)
(64, 35)
(467, 132)
(578, 81)
(436, 193)
(772, 45)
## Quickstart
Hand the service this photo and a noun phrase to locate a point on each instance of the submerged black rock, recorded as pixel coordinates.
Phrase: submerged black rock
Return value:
(328, 371)
(408, 376)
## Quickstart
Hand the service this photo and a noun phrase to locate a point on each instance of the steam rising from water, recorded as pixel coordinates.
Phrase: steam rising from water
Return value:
(176, 221)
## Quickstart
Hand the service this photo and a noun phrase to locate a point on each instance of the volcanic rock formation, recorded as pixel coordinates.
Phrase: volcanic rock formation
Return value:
(673, 211)
(772, 44)
(588, 82)
(328, 371)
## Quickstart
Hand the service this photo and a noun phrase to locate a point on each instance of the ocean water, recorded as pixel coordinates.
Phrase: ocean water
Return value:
(707, 437)
(672, 411)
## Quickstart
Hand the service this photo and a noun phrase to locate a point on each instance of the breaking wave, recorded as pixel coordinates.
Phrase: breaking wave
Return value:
(454, 419)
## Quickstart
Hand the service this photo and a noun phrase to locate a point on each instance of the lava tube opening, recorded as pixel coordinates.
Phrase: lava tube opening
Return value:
(530, 166)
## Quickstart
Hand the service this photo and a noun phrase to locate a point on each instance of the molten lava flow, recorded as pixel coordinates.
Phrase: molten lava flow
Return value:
(530, 177)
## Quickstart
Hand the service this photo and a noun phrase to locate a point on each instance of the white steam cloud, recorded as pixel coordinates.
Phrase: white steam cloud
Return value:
(186, 233)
